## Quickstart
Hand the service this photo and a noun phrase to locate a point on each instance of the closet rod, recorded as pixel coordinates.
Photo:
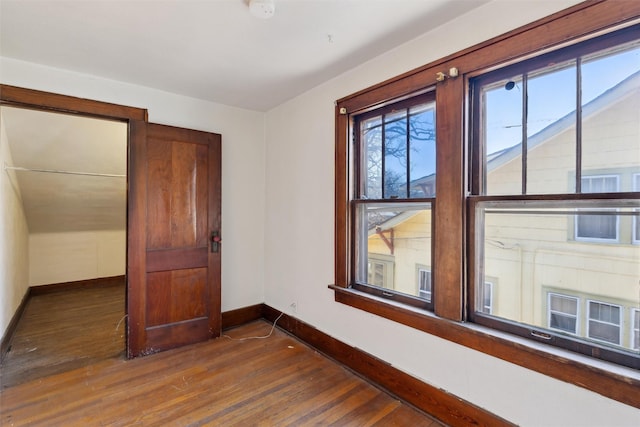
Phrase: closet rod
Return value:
(16, 168)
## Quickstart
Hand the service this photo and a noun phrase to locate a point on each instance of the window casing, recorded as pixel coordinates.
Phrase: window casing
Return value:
(455, 244)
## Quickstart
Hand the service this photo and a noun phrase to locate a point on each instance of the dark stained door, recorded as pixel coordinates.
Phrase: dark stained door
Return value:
(173, 263)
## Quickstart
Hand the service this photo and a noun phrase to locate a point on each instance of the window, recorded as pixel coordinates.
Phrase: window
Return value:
(511, 159)
(598, 227)
(395, 191)
(563, 313)
(635, 329)
(487, 298)
(424, 284)
(539, 189)
(604, 322)
(380, 271)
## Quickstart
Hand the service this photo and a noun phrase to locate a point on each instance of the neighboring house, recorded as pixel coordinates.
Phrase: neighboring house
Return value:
(576, 274)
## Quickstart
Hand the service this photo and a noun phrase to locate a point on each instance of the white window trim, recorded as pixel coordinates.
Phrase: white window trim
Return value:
(577, 316)
(619, 325)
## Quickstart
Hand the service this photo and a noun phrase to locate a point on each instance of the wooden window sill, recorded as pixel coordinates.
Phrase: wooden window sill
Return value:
(610, 380)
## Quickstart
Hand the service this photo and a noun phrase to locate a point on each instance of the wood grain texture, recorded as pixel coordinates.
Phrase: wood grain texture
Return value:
(65, 330)
(175, 195)
(275, 381)
(444, 406)
(17, 96)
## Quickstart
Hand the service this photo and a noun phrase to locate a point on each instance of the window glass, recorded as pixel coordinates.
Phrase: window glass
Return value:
(398, 153)
(547, 277)
(610, 81)
(551, 130)
(399, 232)
(604, 322)
(563, 313)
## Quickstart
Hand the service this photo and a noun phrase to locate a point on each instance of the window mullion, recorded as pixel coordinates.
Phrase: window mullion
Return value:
(408, 151)
(579, 125)
(525, 113)
(383, 155)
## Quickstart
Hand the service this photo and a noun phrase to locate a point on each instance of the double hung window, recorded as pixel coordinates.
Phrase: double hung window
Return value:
(557, 145)
(395, 174)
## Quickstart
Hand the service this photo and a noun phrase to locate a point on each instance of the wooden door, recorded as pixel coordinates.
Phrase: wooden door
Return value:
(173, 268)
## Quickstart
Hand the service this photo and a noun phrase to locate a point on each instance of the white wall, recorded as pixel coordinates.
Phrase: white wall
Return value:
(14, 239)
(243, 158)
(68, 257)
(300, 245)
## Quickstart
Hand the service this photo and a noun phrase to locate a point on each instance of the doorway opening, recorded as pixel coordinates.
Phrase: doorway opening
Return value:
(64, 203)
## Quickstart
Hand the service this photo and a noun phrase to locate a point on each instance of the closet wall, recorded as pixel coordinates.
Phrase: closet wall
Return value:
(14, 245)
(73, 256)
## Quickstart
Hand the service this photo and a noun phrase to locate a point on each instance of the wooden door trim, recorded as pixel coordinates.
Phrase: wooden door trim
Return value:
(39, 100)
(135, 118)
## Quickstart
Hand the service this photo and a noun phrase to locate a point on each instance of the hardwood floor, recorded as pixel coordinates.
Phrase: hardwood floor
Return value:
(63, 330)
(276, 381)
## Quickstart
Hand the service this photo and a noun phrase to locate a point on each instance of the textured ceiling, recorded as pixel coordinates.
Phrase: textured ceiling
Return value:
(215, 49)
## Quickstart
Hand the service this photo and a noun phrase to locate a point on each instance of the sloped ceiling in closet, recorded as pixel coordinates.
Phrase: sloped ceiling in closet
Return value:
(64, 202)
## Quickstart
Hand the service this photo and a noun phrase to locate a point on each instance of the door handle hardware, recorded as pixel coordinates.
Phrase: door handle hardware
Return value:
(215, 241)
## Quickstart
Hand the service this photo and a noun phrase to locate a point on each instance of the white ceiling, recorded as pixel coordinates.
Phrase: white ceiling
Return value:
(215, 49)
(61, 202)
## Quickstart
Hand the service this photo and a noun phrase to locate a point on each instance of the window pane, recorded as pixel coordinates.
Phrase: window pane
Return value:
(399, 234)
(502, 133)
(551, 130)
(395, 155)
(611, 110)
(422, 145)
(604, 322)
(371, 140)
(545, 274)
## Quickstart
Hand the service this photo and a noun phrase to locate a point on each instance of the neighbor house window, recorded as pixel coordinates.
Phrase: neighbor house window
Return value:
(604, 322)
(547, 132)
(590, 226)
(635, 329)
(424, 284)
(380, 271)
(487, 298)
(395, 174)
(563, 313)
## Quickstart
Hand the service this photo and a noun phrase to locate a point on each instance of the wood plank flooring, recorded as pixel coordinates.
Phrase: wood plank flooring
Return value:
(275, 381)
(64, 330)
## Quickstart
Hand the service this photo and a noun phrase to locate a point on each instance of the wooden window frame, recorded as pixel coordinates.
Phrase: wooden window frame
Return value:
(451, 251)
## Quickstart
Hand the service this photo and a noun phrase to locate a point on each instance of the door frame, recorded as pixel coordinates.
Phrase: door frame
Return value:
(19, 97)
